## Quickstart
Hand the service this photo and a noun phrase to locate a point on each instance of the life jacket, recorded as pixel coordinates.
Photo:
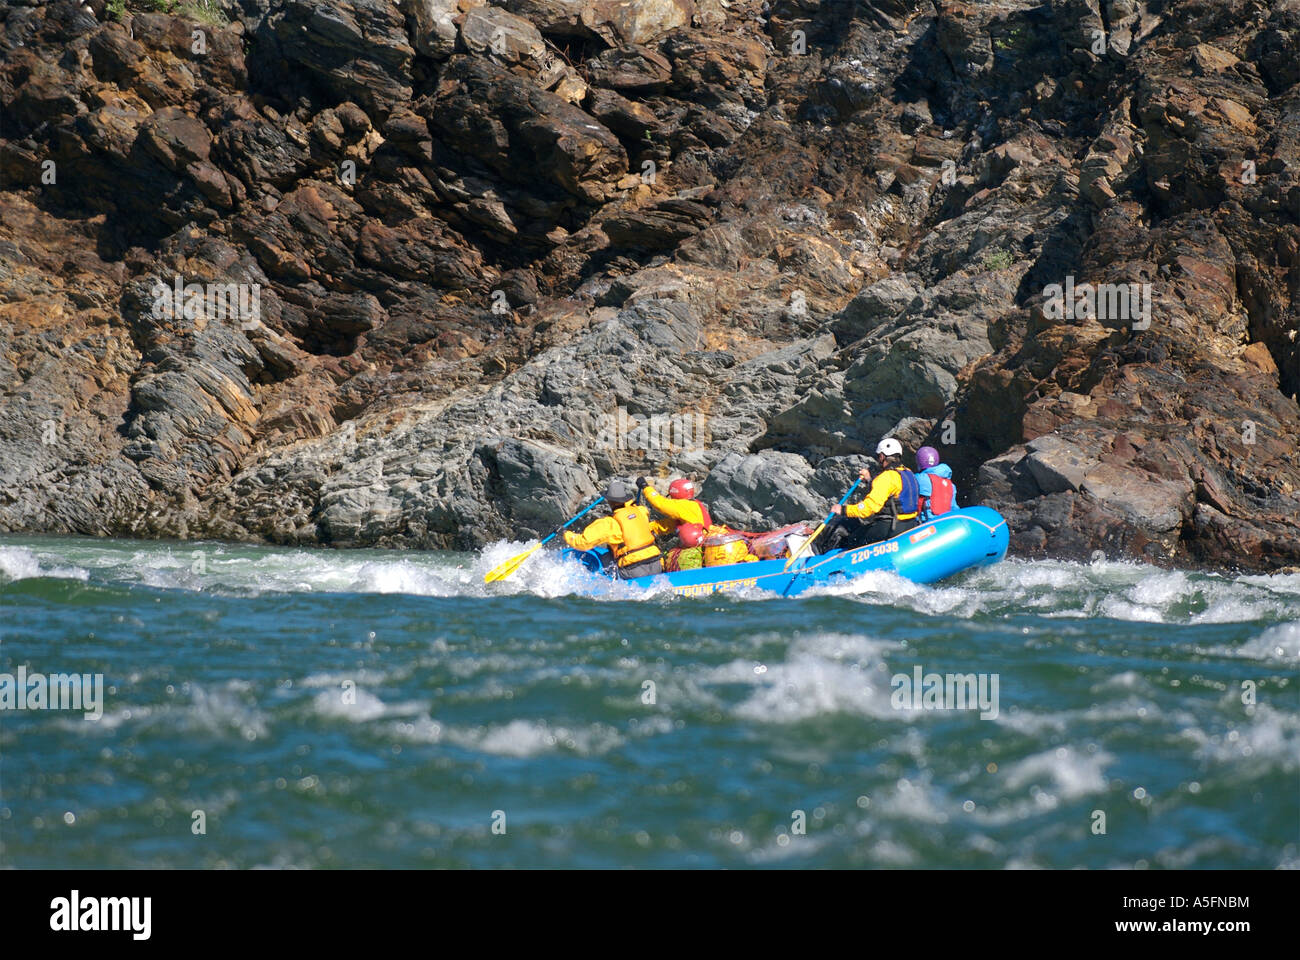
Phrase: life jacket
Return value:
(638, 542)
(704, 512)
(907, 502)
(942, 496)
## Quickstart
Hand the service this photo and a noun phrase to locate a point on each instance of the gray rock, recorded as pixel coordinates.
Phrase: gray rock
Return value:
(1149, 502)
(632, 21)
(882, 301)
(1057, 465)
(432, 26)
(538, 485)
(561, 17)
(762, 490)
(821, 419)
(491, 31)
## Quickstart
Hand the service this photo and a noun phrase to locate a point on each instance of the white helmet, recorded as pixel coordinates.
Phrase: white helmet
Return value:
(889, 447)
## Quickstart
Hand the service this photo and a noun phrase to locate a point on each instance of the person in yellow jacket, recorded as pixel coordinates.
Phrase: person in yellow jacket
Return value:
(626, 531)
(889, 508)
(679, 507)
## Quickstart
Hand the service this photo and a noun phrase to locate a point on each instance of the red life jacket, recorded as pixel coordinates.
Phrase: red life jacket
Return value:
(704, 512)
(942, 494)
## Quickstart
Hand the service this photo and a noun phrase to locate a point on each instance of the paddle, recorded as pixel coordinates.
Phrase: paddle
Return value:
(504, 570)
(816, 533)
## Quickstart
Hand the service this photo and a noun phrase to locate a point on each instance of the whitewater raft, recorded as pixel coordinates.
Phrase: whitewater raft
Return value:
(959, 540)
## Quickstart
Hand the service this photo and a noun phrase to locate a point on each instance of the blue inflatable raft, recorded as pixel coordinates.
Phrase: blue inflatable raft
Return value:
(959, 540)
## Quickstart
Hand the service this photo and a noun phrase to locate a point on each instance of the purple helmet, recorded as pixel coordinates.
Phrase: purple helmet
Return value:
(926, 458)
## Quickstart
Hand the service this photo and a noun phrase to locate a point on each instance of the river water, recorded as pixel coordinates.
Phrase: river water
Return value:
(267, 707)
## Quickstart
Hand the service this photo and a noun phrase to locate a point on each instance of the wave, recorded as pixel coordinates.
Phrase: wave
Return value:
(20, 563)
(222, 710)
(1280, 642)
(823, 673)
(516, 738)
(1061, 589)
(1123, 591)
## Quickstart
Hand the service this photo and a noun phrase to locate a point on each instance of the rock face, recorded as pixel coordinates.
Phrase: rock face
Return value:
(423, 273)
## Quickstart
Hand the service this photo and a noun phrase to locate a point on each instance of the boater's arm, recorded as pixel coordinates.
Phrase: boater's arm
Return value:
(598, 533)
(682, 511)
(888, 484)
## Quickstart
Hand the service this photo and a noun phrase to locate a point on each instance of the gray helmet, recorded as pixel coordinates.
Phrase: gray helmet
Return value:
(619, 492)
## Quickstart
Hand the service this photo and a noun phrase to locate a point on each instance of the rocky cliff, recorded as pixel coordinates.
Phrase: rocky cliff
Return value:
(421, 274)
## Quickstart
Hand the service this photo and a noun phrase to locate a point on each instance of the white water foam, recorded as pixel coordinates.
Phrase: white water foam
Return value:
(19, 563)
(217, 711)
(823, 673)
(1120, 590)
(528, 738)
(1267, 737)
(516, 738)
(360, 705)
(1280, 642)
(1064, 772)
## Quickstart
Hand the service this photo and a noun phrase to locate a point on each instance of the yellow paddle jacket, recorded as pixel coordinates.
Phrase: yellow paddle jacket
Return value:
(887, 484)
(675, 511)
(627, 532)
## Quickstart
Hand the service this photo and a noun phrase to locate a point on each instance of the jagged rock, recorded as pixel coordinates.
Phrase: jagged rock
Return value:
(433, 27)
(632, 69)
(630, 21)
(1082, 30)
(1057, 465)
(356, 49)
(1107, 161)
(494, 32)
(639, 21)
(659, 228)
(623, 116)
(745, 491)
(1276, 47)
(524, 134)
(720, 70)
(175, 139)
(909, 366)
(1149, 502)
(962, 37)
(554, 17)
(882, 301)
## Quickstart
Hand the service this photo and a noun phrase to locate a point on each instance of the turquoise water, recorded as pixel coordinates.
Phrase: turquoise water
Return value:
(379, 709)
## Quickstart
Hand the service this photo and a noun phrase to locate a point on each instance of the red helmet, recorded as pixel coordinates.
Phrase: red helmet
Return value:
(682, 489)
(690, 534)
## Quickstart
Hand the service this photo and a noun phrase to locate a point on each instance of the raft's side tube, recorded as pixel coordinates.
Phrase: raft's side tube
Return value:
(591, 559)
(956, 541)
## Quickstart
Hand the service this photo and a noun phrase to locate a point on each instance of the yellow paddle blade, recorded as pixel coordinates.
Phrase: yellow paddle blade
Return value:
(804, 546)
(504, 570)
